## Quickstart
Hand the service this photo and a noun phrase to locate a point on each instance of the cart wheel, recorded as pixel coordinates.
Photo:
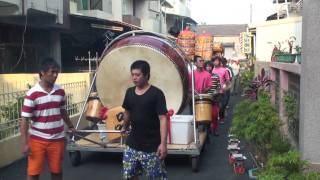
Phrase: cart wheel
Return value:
(75, 157)
(195, 163)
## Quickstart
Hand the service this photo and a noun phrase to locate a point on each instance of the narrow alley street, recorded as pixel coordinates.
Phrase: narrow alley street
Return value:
(98, 166)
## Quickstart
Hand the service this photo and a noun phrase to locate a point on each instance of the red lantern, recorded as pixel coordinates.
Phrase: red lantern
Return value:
(204, 45)
(186, 41)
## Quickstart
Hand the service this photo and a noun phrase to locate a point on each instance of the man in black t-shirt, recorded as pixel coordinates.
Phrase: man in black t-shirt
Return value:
(145, 110)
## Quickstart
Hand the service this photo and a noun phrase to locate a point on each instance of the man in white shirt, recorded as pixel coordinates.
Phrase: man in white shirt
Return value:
(236, 69)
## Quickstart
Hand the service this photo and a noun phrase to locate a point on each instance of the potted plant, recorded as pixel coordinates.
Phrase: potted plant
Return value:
(253, 173)
(298, 53)
(281, 55)
(284, 166)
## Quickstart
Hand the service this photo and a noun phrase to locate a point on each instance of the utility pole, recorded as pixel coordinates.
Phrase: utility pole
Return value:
(160, 25)
(250, 13)
(287, 8)
(277, 9)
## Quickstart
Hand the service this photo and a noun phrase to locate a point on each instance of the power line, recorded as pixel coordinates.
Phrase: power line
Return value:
(22, 45)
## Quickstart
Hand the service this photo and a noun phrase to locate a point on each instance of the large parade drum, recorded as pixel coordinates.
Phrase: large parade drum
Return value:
(168, 68)
(203, 107)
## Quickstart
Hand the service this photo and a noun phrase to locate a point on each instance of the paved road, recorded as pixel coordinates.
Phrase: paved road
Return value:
(101, 166)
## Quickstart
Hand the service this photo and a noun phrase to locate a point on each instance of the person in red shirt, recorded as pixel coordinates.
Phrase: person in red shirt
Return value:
(202, 79)
(224, 82)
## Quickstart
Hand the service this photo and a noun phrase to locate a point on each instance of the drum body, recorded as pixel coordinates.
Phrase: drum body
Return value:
(94, 107)
(203, 107)
(114, 121)
(168, 68)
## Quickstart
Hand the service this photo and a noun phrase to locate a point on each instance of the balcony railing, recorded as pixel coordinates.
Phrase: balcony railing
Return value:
(92, 8)
(15, 7)
(10, 3)
(10, 7)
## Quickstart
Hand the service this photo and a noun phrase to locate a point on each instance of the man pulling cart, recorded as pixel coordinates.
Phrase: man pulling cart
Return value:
(168, 72)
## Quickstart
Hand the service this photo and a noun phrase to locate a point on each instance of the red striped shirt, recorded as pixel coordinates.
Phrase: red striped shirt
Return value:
(44, 110)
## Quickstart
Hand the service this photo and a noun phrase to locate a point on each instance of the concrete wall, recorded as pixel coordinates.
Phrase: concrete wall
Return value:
(270, 33)
(150, 25)
(19, 82)
(150, 21)
(13, 80)
(40, 44)
(14, 9)
(55, 47)
(127, 7)
(230, 39)
(310, 83)
(10, 148)
(287, 78)
(49, 6)
(179, 8)
(143, 10)
(258, 65)
(117, 10)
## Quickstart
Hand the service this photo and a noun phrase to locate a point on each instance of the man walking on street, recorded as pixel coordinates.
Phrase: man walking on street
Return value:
(202, 79)
(228, 91)
(236, 69)
(44, 110)
(145, 110)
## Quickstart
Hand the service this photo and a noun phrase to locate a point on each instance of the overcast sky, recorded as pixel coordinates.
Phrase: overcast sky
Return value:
(230, 11)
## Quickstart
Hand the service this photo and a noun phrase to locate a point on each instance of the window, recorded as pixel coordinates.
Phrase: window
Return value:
(107, 6)
(96, 4)
(154, 5)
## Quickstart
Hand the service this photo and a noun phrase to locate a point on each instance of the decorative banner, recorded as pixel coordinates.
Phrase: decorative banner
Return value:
(186, 41)
(246, 42)
(204, 45)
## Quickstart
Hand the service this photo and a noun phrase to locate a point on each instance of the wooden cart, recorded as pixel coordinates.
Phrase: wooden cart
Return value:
(89, 141)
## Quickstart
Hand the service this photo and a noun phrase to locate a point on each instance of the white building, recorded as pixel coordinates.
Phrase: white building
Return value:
(286, 22)
(178, 17)
(150, 15)
(297, 79)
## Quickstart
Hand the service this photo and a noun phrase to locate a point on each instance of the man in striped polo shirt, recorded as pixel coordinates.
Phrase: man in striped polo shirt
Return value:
(44, 111)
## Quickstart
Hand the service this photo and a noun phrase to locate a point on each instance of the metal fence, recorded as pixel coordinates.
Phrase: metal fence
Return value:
(11, 101)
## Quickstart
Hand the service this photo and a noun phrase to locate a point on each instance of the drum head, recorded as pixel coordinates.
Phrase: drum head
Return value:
(114, 77)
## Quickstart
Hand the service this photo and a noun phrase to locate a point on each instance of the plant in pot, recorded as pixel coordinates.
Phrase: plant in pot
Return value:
(284, 166)
(282, 55)
(256, 122)
(298, 53)
(262, 81)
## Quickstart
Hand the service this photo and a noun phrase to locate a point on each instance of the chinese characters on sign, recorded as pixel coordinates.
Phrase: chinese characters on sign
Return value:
(245, 42)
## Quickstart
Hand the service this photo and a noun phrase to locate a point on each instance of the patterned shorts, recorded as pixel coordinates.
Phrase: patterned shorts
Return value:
(136, 162)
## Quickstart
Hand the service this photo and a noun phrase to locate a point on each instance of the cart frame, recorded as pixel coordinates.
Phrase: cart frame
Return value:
(193, 149)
